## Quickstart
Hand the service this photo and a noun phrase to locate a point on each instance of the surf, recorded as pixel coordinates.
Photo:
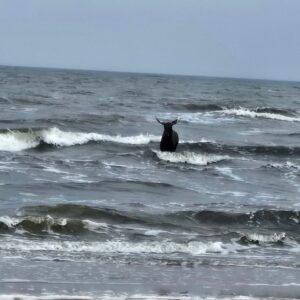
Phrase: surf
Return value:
(192, 158)
(258, 113)
(19, 140)
(211, 114)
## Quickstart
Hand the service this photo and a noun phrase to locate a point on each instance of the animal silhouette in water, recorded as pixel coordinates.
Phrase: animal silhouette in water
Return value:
(169, 139)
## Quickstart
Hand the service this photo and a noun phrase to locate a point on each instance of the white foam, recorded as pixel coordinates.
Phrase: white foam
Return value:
(124, 247)
(94, 226)
(228, 172)
(8, 221)
(287, 165)
(202, 140)
(20, 140)
(111, 164)
(195, 117)
(190, 157)
(58, 137)
(245, 112)
(153, 232)
(262, 238)
(17, 141)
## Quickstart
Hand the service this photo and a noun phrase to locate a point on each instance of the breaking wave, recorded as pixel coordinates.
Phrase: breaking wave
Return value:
(255, 238)
(117, 246)
(208, 107)
(210, 114)
(266, 113)
(18, 140)
(74, 220)
(190, 157)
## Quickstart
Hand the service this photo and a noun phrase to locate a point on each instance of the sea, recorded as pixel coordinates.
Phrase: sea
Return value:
(90, 208)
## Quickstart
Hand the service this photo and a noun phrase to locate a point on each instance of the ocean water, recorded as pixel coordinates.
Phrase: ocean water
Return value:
(91, 209)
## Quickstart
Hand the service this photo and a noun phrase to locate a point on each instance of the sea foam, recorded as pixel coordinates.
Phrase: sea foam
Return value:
(18, 141)
(246, 112)
(15, 140)
(263, 238)
(190, 157)
(58, 137)
(217, 116)
(118, 246)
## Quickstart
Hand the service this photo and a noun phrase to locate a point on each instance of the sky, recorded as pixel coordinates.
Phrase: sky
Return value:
(226, 38)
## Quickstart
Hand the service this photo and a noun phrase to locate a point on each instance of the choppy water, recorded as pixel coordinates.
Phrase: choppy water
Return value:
(90, 207)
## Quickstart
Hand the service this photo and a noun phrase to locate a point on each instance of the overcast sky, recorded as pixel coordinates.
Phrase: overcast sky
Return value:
(235, 38)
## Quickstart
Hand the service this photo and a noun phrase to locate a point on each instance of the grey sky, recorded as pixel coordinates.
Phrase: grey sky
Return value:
(236, 38)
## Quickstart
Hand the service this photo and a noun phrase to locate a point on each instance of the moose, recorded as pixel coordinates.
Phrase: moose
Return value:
(169, 139)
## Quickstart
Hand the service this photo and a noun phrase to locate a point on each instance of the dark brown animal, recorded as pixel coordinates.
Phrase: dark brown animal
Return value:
(169, 139)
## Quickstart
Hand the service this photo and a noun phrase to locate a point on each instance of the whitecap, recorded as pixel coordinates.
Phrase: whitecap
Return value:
(15, 140)
(263, 238)
(118, 246)
(18, 141)
(94, 226)
(190, 157)
(195, 117)
(9, 221)
(58, 137)
(245, 112)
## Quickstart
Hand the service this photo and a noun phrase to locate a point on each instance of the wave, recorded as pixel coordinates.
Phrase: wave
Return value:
(266, 113)
(75, 211)
(18, 140)
(212, 114)
(42, 225)
(225, 149)
(117, 246)
(48, 225)
(71, 219)
(190, 157)
(22, 139)
(256, 238)
(283, 166)
(56, 137)
(208, 107)
(39, 138)
(259, 218)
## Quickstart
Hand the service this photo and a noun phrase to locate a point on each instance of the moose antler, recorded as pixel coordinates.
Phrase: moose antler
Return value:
(159, 121)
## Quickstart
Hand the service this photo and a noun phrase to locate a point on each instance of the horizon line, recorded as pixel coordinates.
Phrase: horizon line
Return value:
(146, 73)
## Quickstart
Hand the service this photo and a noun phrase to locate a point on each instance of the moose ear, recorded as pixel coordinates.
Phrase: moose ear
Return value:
(174, 122)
